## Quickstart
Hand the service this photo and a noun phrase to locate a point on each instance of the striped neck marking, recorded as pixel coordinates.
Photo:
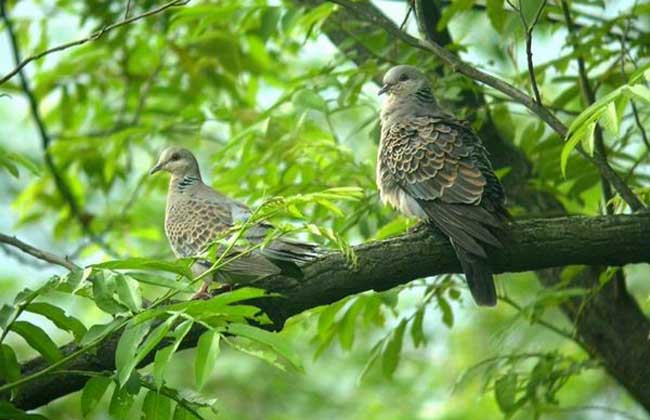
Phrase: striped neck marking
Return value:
(186, 182)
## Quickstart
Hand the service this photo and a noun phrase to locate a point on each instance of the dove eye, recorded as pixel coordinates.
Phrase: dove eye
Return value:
(175, 156)
(403, 77)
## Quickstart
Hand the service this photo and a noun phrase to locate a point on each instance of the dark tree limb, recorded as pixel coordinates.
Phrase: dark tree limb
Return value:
(533, 245)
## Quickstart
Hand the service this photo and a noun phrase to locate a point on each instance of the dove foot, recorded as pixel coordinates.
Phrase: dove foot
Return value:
(204, 293)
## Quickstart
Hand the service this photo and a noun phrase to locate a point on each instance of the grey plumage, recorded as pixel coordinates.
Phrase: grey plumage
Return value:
(433, 166)
(196, 215)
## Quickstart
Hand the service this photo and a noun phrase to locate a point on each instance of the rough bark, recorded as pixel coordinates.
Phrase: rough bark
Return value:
(533, 244)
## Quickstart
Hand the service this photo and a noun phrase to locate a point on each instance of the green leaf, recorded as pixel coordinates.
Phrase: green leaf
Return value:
(59, 318)
(104, 293)
(6, 163)
(164, 355)
(207, 352)
(505, 392)
(121, 403)
(100, 330)
(93, 392)
(156, 407)
(588, 139)
(417, 332)
(609, 120)
(157, 280)
(180, 267)
(639, 92)
(218, 302)
(273, 340)
(566, 152)
(347, 325)
(154, 338)
(128, 292)
(447, 313)
(394, 227)
(7, 313)
(9, 412)
(9, 367)
(125, 360)
(327, 317)
(181, 413)
(38, 339)
(497, 14)
(391, 354)
(26, 163)
(593, 111)
(306, 98)
(457, 6)
(375, 352)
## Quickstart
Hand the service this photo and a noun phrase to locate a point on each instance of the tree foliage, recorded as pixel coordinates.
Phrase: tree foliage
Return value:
(278, 101)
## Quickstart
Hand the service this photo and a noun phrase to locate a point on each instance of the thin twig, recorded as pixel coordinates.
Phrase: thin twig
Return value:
(528, 30)
(111, 223)
(456, 64)
(22, 258)
(37, 253)
(406, 18)
(92, 37)
(145, 89)
(635, 112)
(168, 392)
(63, 361)
(559, 331)
(127, 11)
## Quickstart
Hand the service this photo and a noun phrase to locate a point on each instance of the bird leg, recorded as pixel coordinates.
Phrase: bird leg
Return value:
(203, 292)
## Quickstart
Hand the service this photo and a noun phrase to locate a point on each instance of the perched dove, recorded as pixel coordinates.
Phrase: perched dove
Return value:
(434, 167)
(196, 214)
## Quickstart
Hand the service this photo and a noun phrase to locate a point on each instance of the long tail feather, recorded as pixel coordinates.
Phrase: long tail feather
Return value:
(468, 228)
(479, 278)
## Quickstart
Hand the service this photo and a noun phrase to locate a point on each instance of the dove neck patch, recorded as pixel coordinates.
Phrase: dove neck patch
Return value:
(425, 95)
(186, 182)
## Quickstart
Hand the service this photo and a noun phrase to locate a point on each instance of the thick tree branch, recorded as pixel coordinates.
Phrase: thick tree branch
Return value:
(370, 14)
(92, 37)
(534, 244)
(37, 253)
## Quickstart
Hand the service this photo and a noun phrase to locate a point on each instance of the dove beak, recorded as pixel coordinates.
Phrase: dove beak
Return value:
(384, 89)
(155, 169)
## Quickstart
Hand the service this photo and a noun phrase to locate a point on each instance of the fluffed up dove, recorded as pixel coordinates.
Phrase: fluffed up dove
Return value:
(433, 166)
(196, 215)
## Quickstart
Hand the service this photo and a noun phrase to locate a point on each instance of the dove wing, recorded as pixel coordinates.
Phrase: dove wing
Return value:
(442, 165)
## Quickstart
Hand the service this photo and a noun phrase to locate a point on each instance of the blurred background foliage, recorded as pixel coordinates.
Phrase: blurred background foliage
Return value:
(272, 107)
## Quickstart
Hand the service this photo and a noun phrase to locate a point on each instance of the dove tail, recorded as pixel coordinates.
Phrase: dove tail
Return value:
(479, 277)
(470, 229)
(291, 251)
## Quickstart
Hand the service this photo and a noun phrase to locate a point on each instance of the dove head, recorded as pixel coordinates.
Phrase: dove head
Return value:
(177, 161)
(404, 81)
